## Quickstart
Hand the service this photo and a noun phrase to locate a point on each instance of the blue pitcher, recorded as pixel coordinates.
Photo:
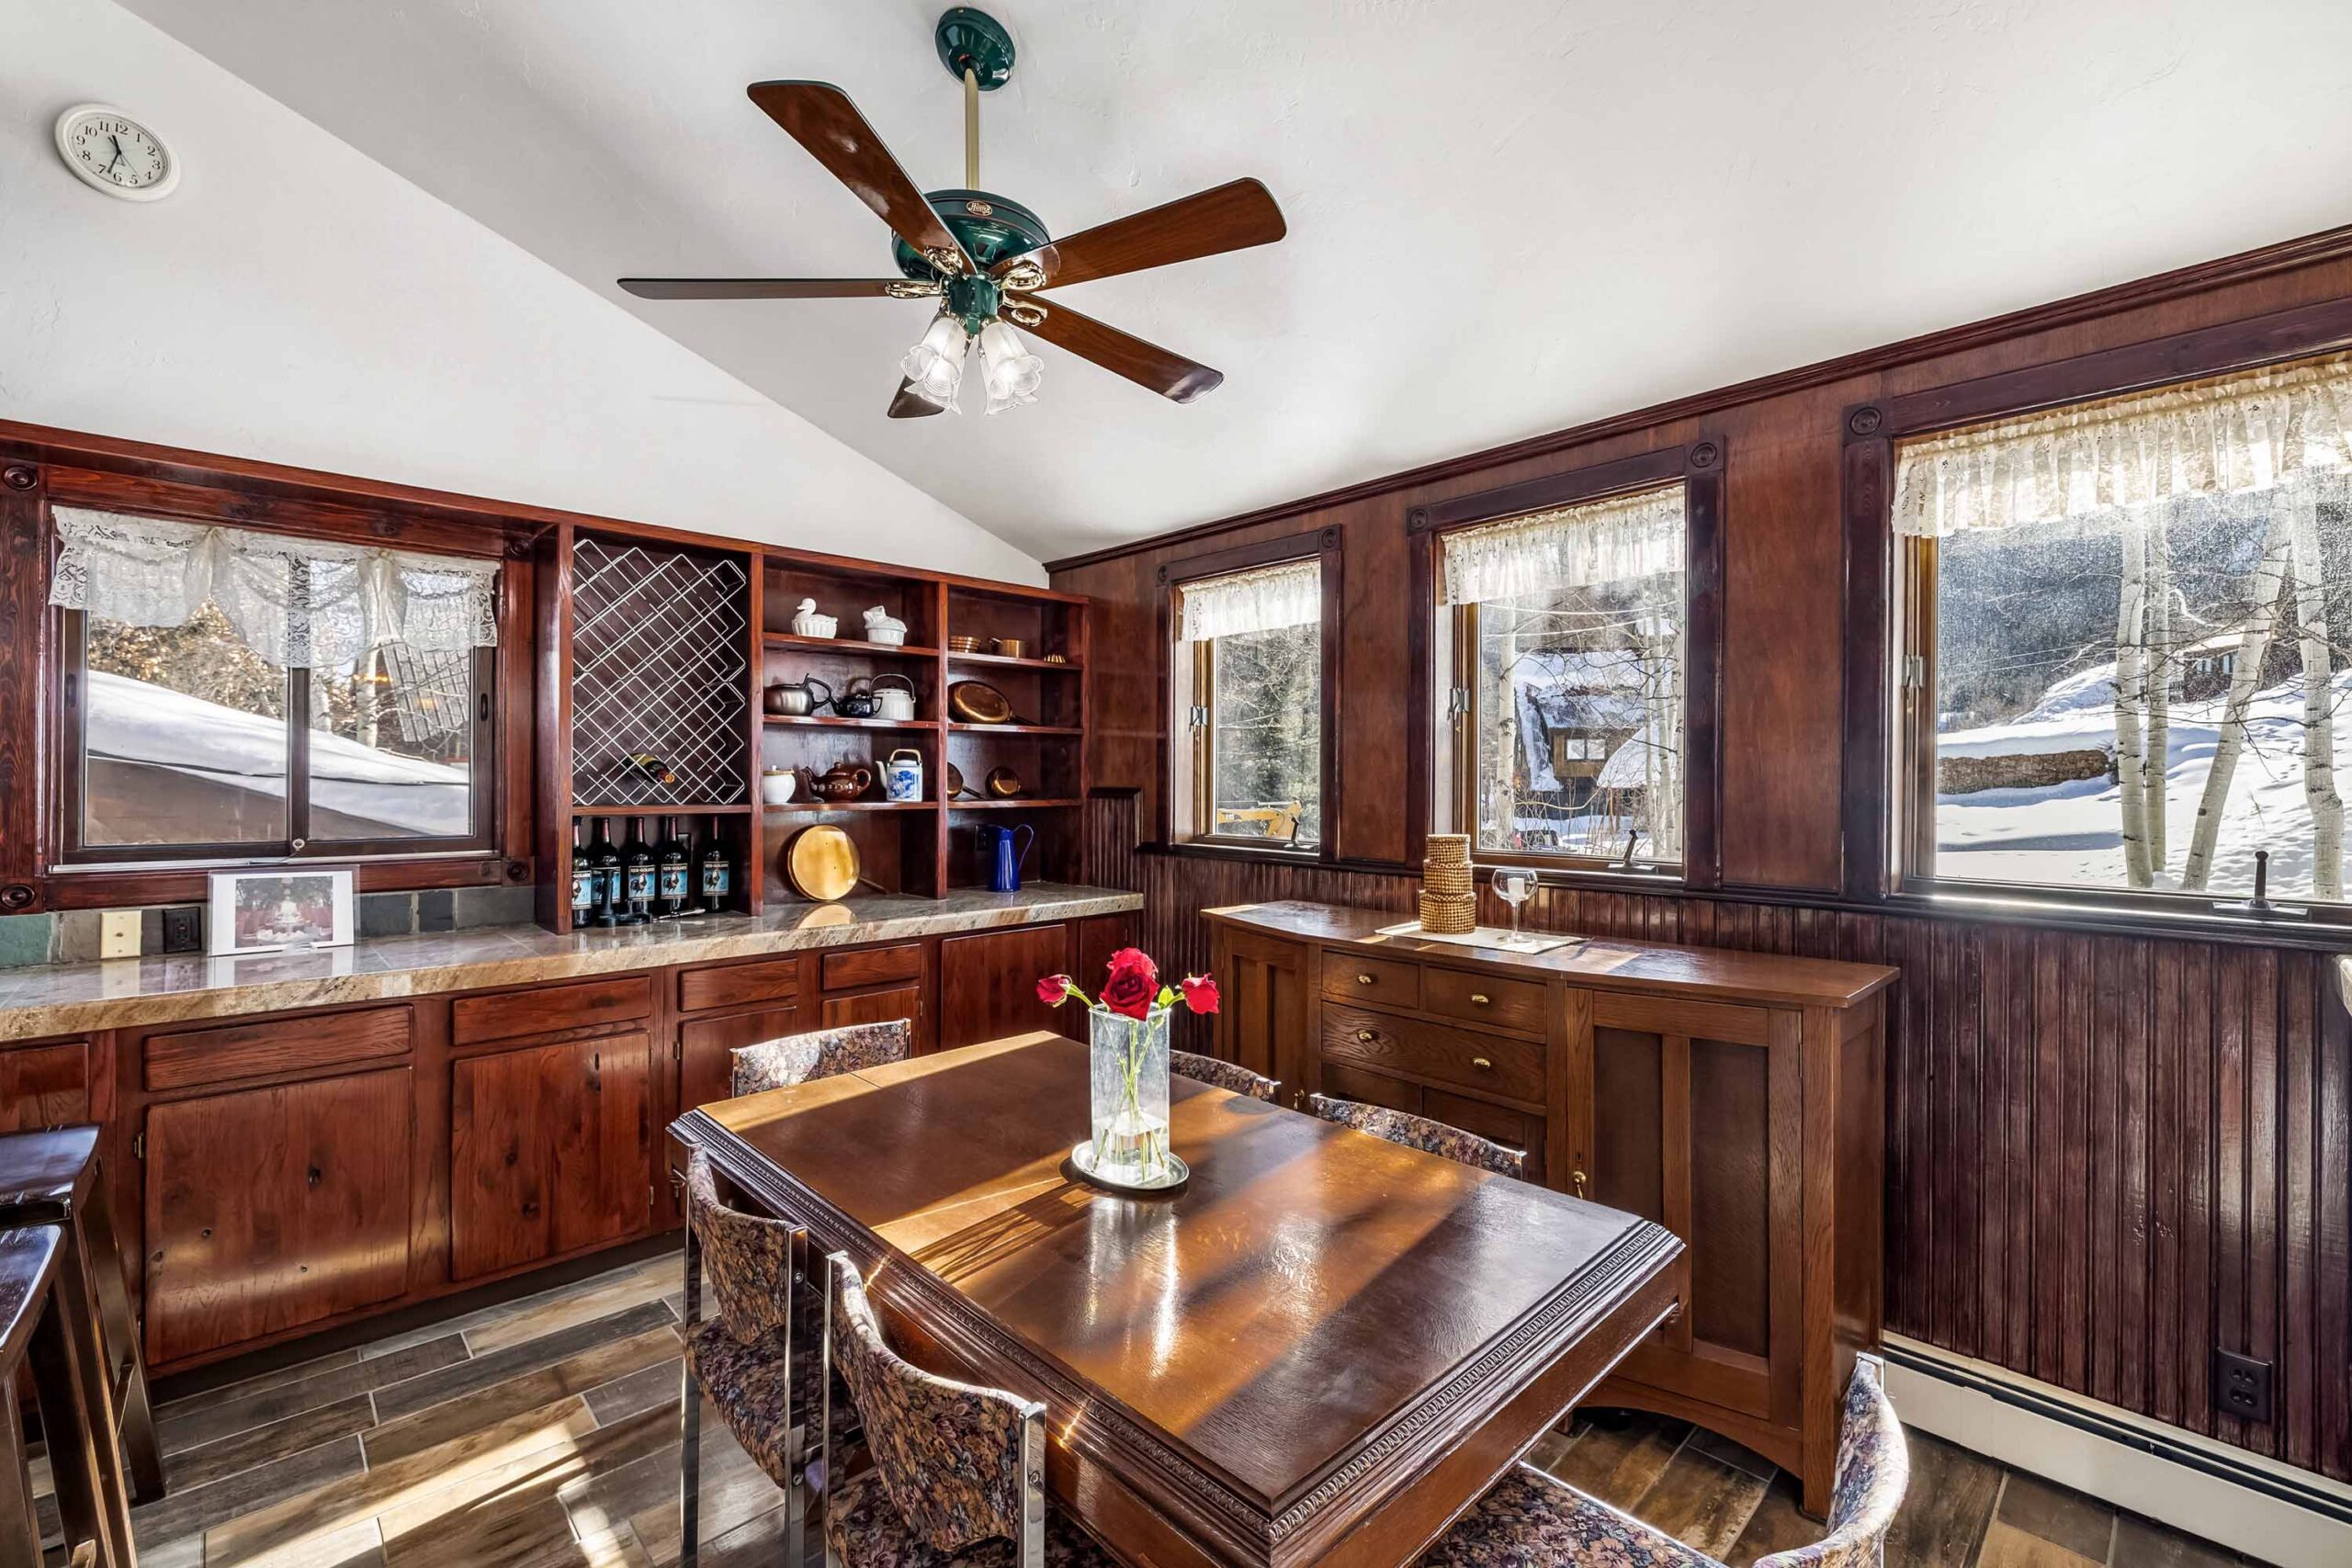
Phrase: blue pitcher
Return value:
(1006, 853)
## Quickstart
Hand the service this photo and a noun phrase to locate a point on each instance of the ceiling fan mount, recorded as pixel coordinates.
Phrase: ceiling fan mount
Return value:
(973, 41)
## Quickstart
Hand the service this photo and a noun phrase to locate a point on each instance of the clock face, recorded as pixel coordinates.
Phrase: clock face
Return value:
(114, 153)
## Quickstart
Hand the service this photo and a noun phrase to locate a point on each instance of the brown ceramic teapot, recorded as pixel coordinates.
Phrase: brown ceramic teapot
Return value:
(841, 781)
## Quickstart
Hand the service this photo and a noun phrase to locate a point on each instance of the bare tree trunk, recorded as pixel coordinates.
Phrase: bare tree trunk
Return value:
(2319, 721)
(1510, 758)
(2132, 697)
(2162, 665)
(2245, 674)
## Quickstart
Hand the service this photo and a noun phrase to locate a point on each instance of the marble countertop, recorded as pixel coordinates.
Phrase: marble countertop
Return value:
(115, 994)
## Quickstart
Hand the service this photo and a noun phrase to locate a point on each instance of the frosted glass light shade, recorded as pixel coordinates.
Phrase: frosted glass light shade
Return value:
(934, 368)
(1011, 371)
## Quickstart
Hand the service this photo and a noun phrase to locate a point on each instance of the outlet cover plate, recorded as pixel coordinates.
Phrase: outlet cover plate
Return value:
(119, 933)
(2241, 1386)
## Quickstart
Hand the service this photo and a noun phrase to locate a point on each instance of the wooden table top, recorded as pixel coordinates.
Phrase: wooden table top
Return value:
(1265, 1359)
(1601, 963)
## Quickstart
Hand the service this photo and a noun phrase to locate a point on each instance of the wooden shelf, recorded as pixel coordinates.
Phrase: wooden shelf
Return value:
(961, 728)
(812, 807)
(844, 645)
(1004, 662)
(656, 809)
(1013, 805)
(818, 721)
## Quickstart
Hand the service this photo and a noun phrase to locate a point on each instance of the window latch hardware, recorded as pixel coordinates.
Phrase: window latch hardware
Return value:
(1457, 701)
(1198, 715)
(1915, 672)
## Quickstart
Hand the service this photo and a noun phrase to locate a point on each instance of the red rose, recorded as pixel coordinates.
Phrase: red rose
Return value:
(1200, 993)
(1132, 990)
(1054, 989)
(1138, 961)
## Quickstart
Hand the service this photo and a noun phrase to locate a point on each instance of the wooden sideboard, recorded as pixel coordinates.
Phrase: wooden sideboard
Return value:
(1735, 1098)
(296, 1171)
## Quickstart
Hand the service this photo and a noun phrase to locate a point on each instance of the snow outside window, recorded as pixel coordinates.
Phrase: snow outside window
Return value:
(2136, 657)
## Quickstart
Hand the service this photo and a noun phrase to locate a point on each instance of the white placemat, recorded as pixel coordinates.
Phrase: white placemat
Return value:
(1529, 942)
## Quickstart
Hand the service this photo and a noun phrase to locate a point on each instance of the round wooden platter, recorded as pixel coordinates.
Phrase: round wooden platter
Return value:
(820, 863)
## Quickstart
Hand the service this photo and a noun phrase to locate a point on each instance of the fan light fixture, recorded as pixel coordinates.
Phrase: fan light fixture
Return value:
(934, 368)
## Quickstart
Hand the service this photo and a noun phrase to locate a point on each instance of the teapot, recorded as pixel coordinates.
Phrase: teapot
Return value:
(841, 781)
(797, 699)
(857, 699)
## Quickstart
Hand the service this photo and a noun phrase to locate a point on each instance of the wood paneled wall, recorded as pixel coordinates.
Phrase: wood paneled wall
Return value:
(2108, 1155)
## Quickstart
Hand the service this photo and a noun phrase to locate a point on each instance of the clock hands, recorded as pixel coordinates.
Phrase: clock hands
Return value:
(118, 153)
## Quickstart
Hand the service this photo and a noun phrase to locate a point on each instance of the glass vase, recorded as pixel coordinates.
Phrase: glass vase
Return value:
(1127, 1061)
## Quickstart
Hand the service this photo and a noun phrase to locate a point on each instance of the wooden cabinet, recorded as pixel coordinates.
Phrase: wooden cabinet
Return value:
(550, 1150)
(987, 982)
(269, 1208)
(44, 1086)
(1732, 1098)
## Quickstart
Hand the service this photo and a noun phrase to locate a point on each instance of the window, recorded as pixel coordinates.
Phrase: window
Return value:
(2121, 665)
(1249, 658)
(1561, 642)
(235, 696)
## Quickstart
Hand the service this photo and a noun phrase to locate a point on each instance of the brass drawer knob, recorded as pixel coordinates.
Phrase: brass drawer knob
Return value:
(1480, 999)
(1578, 1178)
(1363, 979)
(1367, 1035)
(1482, 1064)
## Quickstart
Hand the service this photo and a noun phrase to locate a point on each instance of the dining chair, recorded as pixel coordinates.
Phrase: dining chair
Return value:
(35, 1332)
(1222, 1073)
(1529, 1518)
(762, 1385)
(820, 1053)
(1419, 1132)
(958, 1479)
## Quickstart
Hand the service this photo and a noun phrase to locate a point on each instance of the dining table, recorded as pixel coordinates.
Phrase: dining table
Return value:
(1322, 1347)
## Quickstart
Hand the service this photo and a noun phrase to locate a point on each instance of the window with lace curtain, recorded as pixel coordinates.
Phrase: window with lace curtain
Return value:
(231, 695)
(1250, 689)
(2124, 665)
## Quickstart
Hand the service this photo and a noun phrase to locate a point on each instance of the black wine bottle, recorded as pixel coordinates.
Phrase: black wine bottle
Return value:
(604, 859)
(583, 875)
(637, 873)
(673, 864)
(716, 875)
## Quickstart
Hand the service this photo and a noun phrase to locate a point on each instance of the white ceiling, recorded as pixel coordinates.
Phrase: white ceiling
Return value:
(1505, 216)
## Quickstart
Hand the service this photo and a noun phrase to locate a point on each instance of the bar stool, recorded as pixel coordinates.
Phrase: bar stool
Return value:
(33, 1331)
(54, 1178)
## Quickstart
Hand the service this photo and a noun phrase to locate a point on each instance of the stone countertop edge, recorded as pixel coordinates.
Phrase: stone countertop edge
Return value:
(39, 1002)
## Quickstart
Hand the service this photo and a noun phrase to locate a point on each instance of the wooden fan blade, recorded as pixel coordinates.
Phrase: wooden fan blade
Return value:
(1230, 218)
(762, 288)
(1148, 365)
(906, 405)
(820, 117)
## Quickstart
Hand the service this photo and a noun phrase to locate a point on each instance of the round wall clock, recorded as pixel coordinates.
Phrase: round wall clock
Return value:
(109, 151)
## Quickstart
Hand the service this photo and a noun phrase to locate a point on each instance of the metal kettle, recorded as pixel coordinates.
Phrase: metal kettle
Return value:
(797, 699)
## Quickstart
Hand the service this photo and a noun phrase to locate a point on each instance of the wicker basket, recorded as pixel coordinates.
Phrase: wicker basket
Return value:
(1449, 915)
(1450, 881)
(1447, 849)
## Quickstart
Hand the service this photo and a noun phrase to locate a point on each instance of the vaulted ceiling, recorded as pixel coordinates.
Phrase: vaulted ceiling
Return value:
(1505, 216)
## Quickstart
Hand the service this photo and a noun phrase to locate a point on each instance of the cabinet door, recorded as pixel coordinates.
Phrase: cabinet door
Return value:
(1697, 1124)
(548, 1151)
(706, 1048)
(987, 982)
(270, 1207)
(44, 1086)
(1265, 1007)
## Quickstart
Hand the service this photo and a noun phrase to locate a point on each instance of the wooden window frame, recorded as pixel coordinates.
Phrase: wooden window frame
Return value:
(1187, 766)
(1887, 798)
(1698, 467)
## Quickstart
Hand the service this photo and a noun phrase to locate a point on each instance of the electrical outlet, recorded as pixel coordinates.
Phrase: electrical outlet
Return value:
(184, 928)
(2241, 1386)
(119, 933)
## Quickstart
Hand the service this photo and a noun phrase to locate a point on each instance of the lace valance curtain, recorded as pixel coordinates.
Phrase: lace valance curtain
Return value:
(2252, 431)
(1610, 540)
(300, 603)
(1262, 599)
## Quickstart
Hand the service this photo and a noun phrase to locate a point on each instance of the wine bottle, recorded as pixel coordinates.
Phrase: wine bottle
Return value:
(583, 875)
(637, 873)
(715, 875)
(670, 867)
(605, 857)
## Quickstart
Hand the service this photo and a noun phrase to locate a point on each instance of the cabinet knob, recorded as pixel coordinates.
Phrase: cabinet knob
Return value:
(1577, 1178)
(1367, 1035)
(1480, 999)
(1363, 979)
(1482, 1064)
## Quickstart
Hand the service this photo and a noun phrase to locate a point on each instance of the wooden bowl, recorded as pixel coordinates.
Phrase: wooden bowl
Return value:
(820, 863)
(1003, 784)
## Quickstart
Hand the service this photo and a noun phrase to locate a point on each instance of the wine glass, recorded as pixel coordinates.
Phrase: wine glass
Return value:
(1514, 886)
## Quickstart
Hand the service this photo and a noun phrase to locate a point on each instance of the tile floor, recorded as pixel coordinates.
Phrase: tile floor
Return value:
(542, 1433)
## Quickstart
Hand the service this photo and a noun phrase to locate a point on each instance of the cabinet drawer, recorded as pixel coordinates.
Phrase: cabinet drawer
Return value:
(873, 966)
(734, 985)
(1485, 999)
(550, 1009)
(875, 1007)
(1485, 1063)
(275, 1046)
(1352, 977)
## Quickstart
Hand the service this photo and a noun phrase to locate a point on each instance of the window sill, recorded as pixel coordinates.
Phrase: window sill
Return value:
(1272, 854)
(1604, 879)
(2326, 927)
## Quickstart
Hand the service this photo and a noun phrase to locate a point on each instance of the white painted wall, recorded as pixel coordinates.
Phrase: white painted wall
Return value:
(297, 302)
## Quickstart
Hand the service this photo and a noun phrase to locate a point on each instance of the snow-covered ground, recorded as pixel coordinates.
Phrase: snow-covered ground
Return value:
(2071, 834)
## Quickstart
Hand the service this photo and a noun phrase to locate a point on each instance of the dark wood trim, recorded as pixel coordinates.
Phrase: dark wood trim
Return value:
(1565, 489)
(2328, 245)
(1867, 496)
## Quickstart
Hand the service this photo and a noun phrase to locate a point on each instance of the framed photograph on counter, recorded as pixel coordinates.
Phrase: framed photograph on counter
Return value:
(277, 911)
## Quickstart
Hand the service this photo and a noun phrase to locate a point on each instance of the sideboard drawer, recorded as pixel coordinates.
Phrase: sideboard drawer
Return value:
(1483, 999)
(275, 1046)
(1486, 1063)
(733, 985)
(873, 966)
(550, 1009)
(1352, 977)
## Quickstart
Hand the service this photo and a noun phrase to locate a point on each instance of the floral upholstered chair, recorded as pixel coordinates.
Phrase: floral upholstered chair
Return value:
(1419, 1132)
(1528, 1518)
(1223, 1075)
(958, 1473)
(744, 1356)
(822, 1054)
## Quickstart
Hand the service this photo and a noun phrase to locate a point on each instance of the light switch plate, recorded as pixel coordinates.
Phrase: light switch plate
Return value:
(119, 933)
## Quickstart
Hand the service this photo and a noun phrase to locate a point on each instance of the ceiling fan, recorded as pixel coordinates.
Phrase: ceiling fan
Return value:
(984, 258)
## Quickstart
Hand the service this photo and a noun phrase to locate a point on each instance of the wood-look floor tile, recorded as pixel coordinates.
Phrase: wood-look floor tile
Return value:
(212, 1461)
(1737, 1454)
(657, 1384)
(1948, 1505)
(395, 1400)
(198, 1421)
(1618, 1462)
(591, 1369)
(451, 1468)
(1778, 1525)
(528, 1483)
(758, 1543)
(1702, 1502)
(199, 1508)
(2084, 1525)
(732, 1488)
(2005, 1545)
(482, 1318)
(275, 1378)
(535, 1535)
(601, 1297)
(2143, 1543)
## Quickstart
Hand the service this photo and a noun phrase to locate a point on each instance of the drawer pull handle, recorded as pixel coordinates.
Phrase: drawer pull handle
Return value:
(1367, 1035)
(1363, 979)
(1482, 1064)
(1480, 999)
(1577, 1177)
